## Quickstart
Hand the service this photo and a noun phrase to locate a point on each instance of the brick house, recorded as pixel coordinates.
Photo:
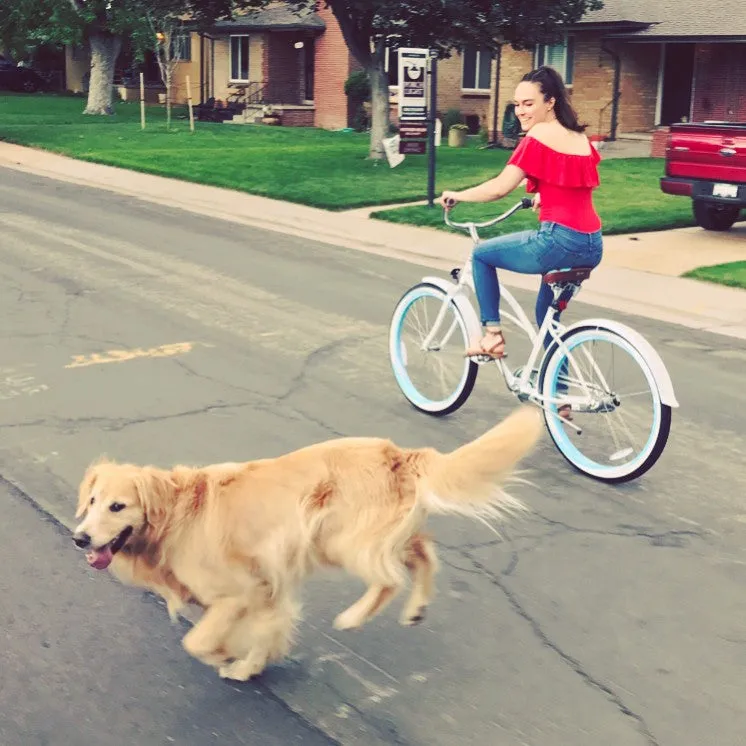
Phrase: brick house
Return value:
(634, 67)
(298, 62)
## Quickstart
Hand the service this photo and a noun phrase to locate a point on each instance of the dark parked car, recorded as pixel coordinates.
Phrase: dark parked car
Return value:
(14, 78)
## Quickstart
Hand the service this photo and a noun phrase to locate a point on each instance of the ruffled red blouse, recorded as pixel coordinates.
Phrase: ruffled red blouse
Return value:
(566, 183)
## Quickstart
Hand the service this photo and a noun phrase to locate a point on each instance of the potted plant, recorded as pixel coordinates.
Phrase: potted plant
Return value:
(270, 116)
(457, 135)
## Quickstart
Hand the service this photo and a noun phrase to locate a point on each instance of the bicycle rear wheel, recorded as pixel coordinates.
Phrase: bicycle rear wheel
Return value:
(615, 400)
(439, 379)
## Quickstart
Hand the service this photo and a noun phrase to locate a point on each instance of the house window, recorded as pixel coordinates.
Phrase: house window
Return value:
(181, 46)
(240, 58)
(559, 56)
(476, 69)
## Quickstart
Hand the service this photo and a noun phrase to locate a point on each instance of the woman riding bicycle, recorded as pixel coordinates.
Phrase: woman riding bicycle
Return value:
(560, 165)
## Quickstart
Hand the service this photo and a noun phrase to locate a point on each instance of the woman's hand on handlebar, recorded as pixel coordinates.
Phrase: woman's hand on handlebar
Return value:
(449, 199)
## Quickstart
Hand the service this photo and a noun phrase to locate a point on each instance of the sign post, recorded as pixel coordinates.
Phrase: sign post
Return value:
(417, 109)
(433, 112)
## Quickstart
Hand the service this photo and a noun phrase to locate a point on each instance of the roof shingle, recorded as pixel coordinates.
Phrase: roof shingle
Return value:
(676, 17)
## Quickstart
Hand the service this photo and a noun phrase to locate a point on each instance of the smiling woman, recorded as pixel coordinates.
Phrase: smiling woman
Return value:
(557, 163)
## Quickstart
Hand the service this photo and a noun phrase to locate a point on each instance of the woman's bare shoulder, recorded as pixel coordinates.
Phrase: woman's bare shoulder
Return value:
(562, 140)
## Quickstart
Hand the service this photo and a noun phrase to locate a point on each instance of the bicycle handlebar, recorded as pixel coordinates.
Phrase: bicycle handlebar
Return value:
(524, 204)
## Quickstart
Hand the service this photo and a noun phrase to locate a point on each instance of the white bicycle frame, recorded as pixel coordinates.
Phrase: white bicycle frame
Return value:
(522, 385)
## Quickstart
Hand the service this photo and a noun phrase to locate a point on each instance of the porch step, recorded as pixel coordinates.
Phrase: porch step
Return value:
(250, 115)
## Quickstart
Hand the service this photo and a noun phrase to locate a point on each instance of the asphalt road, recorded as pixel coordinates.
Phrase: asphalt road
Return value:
(610, 615)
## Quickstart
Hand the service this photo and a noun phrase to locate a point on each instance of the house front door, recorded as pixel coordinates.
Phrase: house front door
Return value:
(678, 73)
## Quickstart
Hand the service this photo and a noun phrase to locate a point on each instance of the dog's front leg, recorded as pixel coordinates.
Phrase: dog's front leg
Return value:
(206, 640)
(266, 632)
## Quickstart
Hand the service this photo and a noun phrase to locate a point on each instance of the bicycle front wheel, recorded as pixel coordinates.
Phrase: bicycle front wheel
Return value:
(437, 378)
(615, 400)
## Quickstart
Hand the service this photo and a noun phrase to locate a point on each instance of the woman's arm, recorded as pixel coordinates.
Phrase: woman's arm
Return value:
(509, 179)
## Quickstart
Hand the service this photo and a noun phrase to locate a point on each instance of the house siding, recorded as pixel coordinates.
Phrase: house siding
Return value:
(720, 82)
(334, 63)
(593, 83)
(452, 96)
(639, 87)
(514, 64)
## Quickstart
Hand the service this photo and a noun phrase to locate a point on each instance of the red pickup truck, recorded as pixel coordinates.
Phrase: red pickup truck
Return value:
(707, 162)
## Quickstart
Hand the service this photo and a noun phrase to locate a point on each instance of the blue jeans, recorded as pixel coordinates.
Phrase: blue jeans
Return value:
(552, 246)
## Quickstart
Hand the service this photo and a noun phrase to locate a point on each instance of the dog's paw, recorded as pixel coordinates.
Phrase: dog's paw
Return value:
(241, 670)
(413, 618)
(173, 608)
(348, 619)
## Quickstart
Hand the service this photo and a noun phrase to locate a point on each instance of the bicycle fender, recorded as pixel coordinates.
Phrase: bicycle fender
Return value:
(654, 360)
(462, 303)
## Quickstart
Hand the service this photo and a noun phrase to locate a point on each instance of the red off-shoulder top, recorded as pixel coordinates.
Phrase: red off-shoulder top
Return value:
(565, 181)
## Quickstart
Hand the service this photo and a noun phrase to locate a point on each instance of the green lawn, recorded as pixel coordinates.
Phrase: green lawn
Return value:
(732, 274)
(306, 165)
(628, 200)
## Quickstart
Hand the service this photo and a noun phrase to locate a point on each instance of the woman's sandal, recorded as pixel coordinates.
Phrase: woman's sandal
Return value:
(495, 350)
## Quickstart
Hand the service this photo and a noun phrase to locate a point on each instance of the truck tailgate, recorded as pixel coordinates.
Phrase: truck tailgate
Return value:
(708, 152)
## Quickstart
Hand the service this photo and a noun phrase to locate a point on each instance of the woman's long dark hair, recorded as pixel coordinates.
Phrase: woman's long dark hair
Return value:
(552, 86)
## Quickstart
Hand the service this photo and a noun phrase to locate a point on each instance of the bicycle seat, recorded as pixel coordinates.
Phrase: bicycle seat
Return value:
(573, 276)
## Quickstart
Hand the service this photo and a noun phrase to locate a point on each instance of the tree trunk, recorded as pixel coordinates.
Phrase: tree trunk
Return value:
(169, 76)
(104, 52)
(379, 99)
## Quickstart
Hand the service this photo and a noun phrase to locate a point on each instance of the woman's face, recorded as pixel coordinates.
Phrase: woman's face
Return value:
(530, 106)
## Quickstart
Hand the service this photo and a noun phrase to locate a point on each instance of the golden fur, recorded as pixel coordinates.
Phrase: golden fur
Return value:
(239, 538)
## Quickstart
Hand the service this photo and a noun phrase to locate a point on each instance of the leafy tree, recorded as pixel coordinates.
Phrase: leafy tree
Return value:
(369, 26)
(102, 24)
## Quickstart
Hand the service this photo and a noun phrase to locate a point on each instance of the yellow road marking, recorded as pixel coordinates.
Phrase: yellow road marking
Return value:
(120, 356)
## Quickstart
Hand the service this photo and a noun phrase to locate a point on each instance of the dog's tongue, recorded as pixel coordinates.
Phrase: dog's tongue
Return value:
(100, 558)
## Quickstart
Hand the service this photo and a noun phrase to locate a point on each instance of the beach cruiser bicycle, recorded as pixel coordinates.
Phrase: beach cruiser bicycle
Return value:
(618, 387)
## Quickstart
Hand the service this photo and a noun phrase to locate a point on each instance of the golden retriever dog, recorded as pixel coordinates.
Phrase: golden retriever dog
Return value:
(238, 539)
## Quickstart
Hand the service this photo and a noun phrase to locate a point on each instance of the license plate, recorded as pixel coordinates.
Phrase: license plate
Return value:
(725, 190)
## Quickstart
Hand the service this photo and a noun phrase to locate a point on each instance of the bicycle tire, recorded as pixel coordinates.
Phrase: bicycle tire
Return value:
(659, 430)
(418, 400)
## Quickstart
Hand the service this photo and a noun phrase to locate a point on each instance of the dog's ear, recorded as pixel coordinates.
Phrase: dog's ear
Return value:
(156, 490)
(85, 489)
(87, 483)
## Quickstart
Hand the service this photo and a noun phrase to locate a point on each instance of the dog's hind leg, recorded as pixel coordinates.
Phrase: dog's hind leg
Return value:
(372, 602)
(422, 563)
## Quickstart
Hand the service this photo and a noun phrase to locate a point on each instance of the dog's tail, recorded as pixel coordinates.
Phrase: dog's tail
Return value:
(470, 480)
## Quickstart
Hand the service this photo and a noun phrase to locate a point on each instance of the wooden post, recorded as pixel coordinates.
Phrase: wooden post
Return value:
(142, 101)
(189, 101)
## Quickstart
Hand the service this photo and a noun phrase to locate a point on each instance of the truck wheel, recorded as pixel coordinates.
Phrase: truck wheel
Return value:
(715, 217)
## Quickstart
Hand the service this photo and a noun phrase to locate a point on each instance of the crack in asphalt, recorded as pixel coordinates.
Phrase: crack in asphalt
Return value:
(574, 664)
(117, 424)
(670, 538)
(315, 356)
(204, 377)
(674, 538)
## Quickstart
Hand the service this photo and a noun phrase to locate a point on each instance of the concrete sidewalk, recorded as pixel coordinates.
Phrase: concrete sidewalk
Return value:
(639, 273)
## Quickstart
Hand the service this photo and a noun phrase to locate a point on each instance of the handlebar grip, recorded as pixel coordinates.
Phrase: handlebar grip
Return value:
(527, 202)
(450, 202)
